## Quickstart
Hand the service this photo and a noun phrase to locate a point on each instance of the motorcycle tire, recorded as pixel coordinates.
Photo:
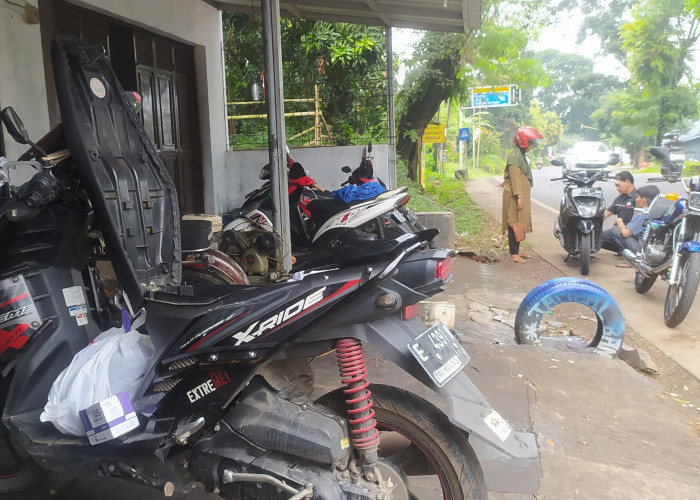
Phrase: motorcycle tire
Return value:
(643, 284)
(418, 440)
(17, 472)
(585, 254)
(205, 276)
(611, 324)
(679, 298)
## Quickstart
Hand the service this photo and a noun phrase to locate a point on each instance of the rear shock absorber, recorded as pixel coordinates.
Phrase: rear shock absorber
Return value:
(363, 426)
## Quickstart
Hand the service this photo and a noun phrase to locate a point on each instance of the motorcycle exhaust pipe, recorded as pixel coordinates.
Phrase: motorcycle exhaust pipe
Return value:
(641, 266)
(636, 263)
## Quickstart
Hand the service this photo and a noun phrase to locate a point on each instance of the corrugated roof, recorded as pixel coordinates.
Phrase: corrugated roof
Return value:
(461, 16)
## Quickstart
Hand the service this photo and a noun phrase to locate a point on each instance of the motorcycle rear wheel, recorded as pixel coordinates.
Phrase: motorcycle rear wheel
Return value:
(419, 441)
(642, 284)
(585, 254)
(17, 471)
(679, 298)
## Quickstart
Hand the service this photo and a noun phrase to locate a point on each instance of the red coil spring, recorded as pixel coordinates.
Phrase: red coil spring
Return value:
(351, 364)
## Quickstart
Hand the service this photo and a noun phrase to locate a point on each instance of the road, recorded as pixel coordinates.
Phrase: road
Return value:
(643, 313)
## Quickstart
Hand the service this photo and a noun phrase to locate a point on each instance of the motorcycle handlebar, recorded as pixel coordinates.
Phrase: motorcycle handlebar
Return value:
(316, 186)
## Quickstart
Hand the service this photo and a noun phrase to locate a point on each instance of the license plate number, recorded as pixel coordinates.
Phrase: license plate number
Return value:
(593, 192)
(439, 353)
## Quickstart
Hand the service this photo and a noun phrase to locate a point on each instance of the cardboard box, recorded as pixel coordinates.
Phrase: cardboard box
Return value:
(109, 418)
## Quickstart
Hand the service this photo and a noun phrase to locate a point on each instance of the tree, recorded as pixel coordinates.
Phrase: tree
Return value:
(345, 60)
(575, 90)
(657, 41)
(436, 64)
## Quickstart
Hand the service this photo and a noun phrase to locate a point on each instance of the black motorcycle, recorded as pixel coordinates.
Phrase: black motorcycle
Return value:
(581, 214)
(229, 385)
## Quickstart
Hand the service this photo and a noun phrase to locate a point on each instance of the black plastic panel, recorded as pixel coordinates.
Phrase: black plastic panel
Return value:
(131, 192)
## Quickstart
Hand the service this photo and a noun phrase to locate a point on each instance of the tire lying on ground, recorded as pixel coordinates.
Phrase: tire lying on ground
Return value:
(542, 298)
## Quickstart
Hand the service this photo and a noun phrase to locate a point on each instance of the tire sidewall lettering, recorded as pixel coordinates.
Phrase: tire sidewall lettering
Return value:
(558, 291)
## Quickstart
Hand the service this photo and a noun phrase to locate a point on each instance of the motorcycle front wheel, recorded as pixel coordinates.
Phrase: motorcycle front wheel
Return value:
(585, 254)
(420, 442)
(680, 297)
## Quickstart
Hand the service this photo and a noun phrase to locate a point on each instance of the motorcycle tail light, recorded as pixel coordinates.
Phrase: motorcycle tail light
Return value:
(402, 201)
(443, 269)
(410, 312)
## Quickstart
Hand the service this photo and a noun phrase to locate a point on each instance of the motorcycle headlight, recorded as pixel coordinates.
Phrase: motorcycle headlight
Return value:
(588, 210)
(694, 201)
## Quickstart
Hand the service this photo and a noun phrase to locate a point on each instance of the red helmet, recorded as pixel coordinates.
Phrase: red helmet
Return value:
(524, 135)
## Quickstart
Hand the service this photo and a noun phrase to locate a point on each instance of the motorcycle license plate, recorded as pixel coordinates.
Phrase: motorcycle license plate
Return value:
(596, 193)
(439, 353)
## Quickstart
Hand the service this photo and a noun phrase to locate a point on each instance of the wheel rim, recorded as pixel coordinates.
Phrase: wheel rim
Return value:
(403, 451)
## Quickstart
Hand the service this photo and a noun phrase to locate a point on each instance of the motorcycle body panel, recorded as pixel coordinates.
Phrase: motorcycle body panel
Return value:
(581, 212)
(131, 192)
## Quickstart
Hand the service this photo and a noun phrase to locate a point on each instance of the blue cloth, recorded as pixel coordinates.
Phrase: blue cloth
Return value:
(351, 193)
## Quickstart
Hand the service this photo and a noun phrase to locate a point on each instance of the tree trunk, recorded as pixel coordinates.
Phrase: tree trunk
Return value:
(424, 89)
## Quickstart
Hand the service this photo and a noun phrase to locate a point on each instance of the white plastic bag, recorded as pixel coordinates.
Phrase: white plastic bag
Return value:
(114, 362)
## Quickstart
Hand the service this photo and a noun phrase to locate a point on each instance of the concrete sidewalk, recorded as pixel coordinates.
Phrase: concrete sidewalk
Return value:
(604, 430)
(643, 312)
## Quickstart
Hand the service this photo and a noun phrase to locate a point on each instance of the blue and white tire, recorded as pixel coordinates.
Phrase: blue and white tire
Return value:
(611, 324)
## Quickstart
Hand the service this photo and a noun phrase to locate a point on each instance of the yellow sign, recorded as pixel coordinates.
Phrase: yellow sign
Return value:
(434, 132)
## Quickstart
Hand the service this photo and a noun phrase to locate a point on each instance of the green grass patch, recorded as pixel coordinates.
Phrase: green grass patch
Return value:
(445, 193)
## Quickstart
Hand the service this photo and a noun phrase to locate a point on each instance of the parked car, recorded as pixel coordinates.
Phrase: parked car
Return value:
(587, 156)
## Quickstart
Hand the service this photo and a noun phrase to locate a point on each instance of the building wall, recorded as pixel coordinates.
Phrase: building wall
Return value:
(323, 164)
(22, 75)
(193, 22)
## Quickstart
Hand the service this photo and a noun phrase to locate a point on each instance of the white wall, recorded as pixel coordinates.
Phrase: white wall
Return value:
(194, 22)
(22, 75)
(323, 164)
(197, 23)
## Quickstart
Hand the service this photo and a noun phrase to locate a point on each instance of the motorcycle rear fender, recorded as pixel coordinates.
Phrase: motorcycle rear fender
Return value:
(585, 226)
(459, 399)
(358, 214)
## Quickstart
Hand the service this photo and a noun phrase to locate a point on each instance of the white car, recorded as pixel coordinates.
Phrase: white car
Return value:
(588, 155)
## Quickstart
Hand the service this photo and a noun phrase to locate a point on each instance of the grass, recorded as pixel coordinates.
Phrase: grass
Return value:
(474, 227)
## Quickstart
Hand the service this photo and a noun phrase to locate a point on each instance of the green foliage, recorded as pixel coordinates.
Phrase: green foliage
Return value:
(345, 60)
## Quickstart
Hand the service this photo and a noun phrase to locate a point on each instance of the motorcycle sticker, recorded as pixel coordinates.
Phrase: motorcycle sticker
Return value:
(97, 88)
(217, 379)
(257, 328)
(19, 318)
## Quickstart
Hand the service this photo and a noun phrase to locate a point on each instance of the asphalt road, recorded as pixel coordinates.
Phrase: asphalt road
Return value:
(643, 313)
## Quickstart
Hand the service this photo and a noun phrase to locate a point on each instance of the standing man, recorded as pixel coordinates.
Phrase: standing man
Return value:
(623, 205)
(621, 235)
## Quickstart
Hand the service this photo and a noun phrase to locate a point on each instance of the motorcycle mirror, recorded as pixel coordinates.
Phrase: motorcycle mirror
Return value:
(346, 169)
(557, 163)
(614, 159)
(369, 147)
(14, 125)
(265, 172)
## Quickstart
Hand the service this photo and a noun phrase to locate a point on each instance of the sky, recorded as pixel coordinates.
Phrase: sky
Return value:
(561, 35)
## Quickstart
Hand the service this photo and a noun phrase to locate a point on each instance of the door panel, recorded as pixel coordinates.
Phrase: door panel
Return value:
(163, 72)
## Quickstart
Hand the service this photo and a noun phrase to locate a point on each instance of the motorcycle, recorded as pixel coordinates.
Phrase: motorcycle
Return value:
(228, 388)
(581, 214)
(670, 244)
(317, 221)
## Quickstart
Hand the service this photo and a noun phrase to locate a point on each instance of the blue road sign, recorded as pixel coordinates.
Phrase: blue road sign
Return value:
(464, 134)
